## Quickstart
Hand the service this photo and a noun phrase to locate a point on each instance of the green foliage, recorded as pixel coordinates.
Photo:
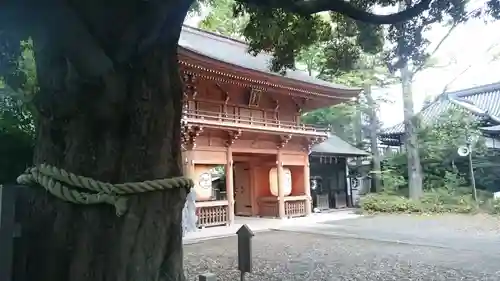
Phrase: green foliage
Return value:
(284, 34)
(221, 19)
(340, 118)
(494, 206)
(331, 43)
(384, 203)
(16, 139)
(446, 179)
(438, 143)
(392, 180)
(433, 202)
(344, 40)
(17, 129)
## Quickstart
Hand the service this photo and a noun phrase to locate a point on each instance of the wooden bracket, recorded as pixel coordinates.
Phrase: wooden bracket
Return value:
(232, 137)
(299, 104)
(189, 85)
(312, 141)
(254, 97)
(189, 135)
(276, 104)
(226, 94)
(284, 140)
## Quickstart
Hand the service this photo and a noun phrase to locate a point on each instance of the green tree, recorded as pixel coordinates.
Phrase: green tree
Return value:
(438, 144)
(17, 130)
(221, 19)
(109, 107)
(410, 66)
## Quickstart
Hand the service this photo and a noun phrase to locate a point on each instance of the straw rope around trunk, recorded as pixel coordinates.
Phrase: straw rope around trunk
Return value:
(83, 190)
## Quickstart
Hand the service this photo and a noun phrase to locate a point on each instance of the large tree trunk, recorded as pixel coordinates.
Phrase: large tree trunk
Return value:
(373, 139)
(411, 142)
(124, 127)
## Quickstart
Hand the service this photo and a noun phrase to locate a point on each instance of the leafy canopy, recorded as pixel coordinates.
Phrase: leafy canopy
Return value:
(344, 30)
(344, 40)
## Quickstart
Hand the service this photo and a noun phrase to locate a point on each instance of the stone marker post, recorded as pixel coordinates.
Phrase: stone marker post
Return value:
(245, 235)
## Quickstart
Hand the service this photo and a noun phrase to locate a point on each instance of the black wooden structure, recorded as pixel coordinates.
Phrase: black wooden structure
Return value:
(329, 172)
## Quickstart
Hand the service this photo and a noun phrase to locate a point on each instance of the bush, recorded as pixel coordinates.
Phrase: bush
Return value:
(438, 201)
(492, 206)
(496, 206)
(387, 203)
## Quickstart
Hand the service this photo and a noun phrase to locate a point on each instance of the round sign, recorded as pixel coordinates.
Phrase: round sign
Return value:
(205, 180)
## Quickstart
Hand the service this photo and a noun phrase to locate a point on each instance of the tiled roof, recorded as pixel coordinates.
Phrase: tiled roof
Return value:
(235, 52)
(336, 146)
(482, 101)
(491, 129)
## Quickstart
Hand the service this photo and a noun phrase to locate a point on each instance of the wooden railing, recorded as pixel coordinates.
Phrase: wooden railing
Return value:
(295, 206)
(242, 115)
(212, 213)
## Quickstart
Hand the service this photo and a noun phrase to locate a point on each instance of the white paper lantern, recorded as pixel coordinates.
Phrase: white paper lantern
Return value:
(273, 181)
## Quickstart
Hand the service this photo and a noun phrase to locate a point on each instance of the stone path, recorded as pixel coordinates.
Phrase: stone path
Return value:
(284, 255)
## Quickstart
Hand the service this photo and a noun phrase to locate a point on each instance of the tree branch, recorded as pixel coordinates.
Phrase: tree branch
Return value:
(455, 78)
(440, 43)
(446, 87)
(308, 7)
(443, 39)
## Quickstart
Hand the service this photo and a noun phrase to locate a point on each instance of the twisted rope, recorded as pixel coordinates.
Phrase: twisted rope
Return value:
(83, 190)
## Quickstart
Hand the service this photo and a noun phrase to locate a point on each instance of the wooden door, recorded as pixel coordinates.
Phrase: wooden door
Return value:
(242, 190)
(338, 189)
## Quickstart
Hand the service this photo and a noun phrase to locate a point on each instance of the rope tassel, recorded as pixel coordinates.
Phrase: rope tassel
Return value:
(83, 190)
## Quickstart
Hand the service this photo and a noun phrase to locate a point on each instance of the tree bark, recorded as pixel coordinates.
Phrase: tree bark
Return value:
(124, 127)
(373, 139)
(411, 142)
(358, 133)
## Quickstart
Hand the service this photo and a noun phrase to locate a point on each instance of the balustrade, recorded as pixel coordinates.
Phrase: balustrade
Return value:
(295, 206)
(227, 114)
(212, 213)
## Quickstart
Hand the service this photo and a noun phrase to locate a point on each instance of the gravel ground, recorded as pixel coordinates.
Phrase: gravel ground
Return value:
(477, 225)
(282, 255)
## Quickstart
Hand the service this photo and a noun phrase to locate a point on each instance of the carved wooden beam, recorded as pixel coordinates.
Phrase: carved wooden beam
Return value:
(233, 136)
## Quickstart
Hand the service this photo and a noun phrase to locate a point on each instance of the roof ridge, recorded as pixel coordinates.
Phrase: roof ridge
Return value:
(214, 35)
(475, 90)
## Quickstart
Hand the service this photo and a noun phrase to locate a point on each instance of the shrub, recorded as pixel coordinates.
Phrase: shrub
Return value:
(437, 201)
(492, 206)
(496, 206)
(387, 203)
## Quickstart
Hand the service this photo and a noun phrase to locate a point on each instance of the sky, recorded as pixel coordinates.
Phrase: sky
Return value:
(464, 60)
